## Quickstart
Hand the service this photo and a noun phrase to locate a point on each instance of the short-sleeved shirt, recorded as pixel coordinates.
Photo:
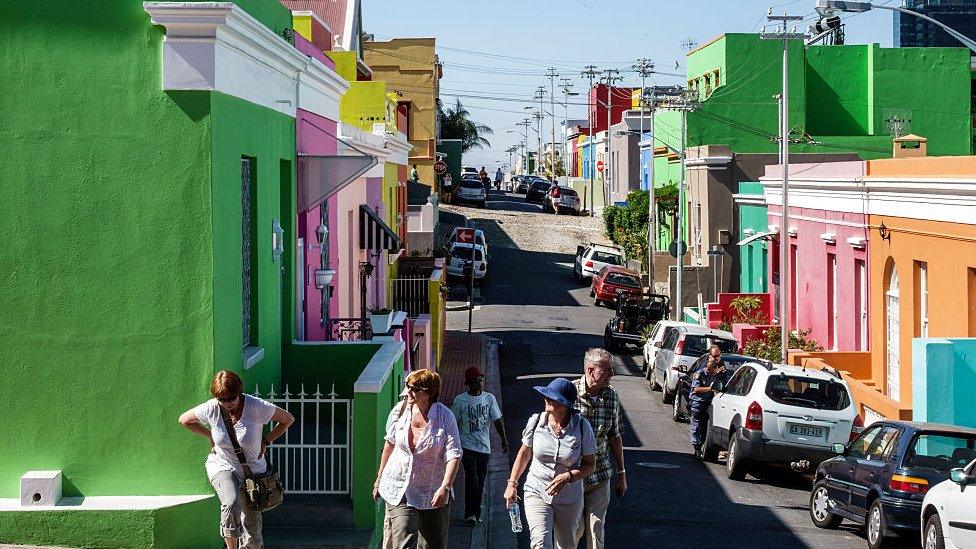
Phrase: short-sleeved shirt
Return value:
(416, 475)
(250, 428)
(603, 413)
(475, 414)
(553, 455)
(700, 401)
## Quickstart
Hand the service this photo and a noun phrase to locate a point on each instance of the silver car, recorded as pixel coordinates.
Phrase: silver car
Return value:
(563, 198)
(472, 191)
(679, 349)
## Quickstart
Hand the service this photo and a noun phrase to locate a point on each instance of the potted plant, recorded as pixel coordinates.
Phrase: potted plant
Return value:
(380, 320)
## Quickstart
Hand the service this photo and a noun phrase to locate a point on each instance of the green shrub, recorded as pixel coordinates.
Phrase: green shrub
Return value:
(769, 346)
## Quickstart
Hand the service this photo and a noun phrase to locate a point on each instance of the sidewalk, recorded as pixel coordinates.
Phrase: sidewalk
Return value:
(461, 351)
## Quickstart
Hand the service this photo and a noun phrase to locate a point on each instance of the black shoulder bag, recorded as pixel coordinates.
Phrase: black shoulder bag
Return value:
(264, 491)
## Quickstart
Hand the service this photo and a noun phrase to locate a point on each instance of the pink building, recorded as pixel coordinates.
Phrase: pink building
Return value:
(828, 252)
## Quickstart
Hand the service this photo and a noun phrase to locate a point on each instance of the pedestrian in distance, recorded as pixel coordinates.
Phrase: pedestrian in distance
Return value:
(599, 403)
(420, 458)
(499, 177)
(558, 450)
(475, 410)
(414, 174)
(700, 397)
(240, 525)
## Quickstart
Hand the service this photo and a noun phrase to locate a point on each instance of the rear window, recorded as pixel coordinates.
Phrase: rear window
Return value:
(608, 258)
(622, 280)
(697, 345)
(567, 192)
(806, 392)
(465, 254)
(941, 452)
(471, 184)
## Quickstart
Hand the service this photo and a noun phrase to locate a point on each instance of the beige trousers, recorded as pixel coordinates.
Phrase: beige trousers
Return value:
(407, 527)
(551, 526)
(596, 499)
(237, 519)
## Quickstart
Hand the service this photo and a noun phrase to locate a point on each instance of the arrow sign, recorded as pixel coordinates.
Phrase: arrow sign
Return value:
(464, 235)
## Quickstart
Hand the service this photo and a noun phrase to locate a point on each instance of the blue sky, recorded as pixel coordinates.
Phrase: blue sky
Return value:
(569, 34)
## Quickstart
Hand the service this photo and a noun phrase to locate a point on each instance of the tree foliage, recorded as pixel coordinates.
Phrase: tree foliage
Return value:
(456, 123)
(627, 225)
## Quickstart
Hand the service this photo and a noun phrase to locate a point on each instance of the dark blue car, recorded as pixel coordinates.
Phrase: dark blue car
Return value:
(880, 478)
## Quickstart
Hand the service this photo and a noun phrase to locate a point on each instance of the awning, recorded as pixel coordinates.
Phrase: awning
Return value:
(757, 236)
(374, 234)
(320, 177)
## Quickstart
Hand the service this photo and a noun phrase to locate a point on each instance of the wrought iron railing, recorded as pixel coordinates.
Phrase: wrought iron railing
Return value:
(349, 329)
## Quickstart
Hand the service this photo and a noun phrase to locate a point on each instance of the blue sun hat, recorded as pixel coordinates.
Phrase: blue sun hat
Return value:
(562, 391)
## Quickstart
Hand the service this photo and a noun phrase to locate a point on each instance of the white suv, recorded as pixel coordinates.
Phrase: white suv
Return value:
(949, 511)
(679, 349)
(653, 340)
(779, 413)
(461, 257)
(590, 260)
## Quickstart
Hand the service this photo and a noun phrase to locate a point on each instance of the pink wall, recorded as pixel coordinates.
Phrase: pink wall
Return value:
(308, 48)
(376, 296)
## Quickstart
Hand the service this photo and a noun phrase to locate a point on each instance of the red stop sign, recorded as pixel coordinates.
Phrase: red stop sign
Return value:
(440, 167)
(599, 165)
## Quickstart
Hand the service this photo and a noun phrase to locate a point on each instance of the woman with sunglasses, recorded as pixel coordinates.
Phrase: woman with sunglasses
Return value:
(417, 467)
(240, 526)
(559, 449)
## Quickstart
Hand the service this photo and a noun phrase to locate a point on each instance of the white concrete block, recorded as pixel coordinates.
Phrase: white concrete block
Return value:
(40, 488)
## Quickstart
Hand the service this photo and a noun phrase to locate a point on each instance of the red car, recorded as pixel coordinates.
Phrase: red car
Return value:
(612, 279)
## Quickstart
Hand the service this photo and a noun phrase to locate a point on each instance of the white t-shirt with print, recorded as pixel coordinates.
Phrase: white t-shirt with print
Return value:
(475, 414)
(257, 413)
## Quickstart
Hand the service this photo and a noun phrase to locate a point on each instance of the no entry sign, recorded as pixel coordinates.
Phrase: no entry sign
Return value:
(599, 166)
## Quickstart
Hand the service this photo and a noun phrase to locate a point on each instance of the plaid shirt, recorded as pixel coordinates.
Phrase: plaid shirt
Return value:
(604, 416)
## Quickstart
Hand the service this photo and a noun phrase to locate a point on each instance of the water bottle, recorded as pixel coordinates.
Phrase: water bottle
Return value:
(516, 516)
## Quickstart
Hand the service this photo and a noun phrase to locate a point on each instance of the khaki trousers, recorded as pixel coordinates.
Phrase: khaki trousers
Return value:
(551, 525)
(596, 499)
(237, 519)
(411, 528)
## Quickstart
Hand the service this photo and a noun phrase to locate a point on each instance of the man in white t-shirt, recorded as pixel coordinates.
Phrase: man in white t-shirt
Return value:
(475, 410)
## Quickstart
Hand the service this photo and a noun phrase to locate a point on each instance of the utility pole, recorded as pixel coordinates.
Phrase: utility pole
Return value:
(525, 144)
(540, 94)
(610, 78)
(590, 72)
(567, 85)
(644, 68)
(781, 32)
(552, 74)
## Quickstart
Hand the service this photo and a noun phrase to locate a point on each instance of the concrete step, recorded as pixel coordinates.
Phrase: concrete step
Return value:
(311, 511)
(316, 537)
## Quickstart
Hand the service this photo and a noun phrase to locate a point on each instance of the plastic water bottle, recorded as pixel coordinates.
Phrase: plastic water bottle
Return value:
(516, 516)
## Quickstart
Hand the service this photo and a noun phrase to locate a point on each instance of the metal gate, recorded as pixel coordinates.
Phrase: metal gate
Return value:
(410, 294)
(313, 456)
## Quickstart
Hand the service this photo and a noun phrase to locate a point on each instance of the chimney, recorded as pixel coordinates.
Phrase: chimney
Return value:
(909, 146)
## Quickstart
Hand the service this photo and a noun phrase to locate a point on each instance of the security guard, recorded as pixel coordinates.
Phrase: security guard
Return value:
(701, 396)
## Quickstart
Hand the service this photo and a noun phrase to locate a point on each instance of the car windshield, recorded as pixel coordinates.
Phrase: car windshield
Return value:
(806, 392)
(607, 257)
(471, 183)
(567, 192)
(541, 185)
(941, 452)
(700, 344)
(622, 280)
(464, 252)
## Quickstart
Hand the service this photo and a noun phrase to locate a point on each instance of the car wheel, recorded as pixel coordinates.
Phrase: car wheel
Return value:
(933, 539)
(676, 409)
(709, 448)
(875, 526)
(576, 276)
(608, 342)
(655, 385)
(820, 508)
(735, 464)
(667, 396)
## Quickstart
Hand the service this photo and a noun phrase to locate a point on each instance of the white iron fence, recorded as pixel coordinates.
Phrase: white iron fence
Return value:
(313, 456)
(411, 295)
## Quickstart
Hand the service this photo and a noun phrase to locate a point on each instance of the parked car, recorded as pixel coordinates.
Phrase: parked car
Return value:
(461, 260)
(613, 282)
(537, 190)
(633, 316)
(776, 413)
(949, 511)
(650, 346)
(521, 184)
(682, 393)
(591, 259)
(679, 349)
(466, 170)
(880, 479)
(471, 190)
(479, 238)
(562, 198)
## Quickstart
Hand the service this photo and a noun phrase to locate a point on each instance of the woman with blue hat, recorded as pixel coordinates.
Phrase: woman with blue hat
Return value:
(558, 448)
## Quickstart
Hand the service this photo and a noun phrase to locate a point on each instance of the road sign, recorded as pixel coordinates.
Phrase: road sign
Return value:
(465, 235)
(440, 167)
(678, 248)
(599, 166)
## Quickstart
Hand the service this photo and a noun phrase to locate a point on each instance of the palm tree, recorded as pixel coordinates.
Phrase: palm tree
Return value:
(456, 124)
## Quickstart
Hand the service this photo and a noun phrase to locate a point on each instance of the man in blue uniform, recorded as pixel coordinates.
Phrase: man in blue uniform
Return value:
(701, 396)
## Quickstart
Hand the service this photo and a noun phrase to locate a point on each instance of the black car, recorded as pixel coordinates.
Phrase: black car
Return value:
(538, 190)
(679, 408)
(880, 478)
(632, 318)
(521, 185)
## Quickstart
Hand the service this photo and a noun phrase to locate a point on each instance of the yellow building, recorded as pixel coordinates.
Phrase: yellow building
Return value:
(411, 69)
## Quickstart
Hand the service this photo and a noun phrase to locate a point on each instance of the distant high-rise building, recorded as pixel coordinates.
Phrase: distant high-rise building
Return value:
(911, 31)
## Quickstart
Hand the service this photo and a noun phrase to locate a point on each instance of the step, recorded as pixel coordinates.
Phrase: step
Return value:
(316, 537)
(310, 511)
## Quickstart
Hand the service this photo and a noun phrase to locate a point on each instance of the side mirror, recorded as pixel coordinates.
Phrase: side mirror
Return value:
(960, 477)
(839, 448)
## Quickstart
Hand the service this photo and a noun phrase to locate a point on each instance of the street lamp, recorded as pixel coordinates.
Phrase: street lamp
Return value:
(324, 274)
(860, 7)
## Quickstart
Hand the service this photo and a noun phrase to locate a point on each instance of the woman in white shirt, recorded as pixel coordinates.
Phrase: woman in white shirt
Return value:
(558, 448)
(240, 526)
(417, 467)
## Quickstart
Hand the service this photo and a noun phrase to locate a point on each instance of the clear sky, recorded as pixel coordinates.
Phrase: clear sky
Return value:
(509, 44)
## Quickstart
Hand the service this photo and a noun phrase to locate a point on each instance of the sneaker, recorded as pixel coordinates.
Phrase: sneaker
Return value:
(723, 455)
(471, 520)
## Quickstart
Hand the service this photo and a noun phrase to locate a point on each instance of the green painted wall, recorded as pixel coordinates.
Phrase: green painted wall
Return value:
(753, 257)
(837, 84)
(325, 364)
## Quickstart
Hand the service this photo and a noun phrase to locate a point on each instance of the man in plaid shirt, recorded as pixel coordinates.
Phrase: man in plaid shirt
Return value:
(599, 403)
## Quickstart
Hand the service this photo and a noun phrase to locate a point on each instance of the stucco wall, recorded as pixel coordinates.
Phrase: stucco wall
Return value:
(943, 381)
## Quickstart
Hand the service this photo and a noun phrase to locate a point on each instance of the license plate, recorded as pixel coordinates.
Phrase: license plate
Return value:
(805, 431)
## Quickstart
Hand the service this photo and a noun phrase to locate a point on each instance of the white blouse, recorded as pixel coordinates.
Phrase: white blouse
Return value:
(417, 475)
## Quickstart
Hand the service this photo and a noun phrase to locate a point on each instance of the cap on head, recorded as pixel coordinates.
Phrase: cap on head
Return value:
(472, 374)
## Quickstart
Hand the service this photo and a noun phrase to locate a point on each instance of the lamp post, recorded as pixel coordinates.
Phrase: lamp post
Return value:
(324, 274)
(859, 7)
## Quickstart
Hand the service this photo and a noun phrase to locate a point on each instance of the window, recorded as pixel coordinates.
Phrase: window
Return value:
(861, 305)
(893, 349)
(941, 452)
(921, 299)
(606, 257)
(883, 445)
(622, 280)
(832, 302)
(748, 378)
(699, 344)
(859, 448)
(670, 338)
(806, 392)
(736, 384)
(248, 253)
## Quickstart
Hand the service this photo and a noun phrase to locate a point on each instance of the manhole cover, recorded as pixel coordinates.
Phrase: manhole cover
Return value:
(655, 465)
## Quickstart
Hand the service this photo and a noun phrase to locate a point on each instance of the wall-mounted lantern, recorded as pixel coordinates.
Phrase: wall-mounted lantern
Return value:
(277, 241)
(885, 232)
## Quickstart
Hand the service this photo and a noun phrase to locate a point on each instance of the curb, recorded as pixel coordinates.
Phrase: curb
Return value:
(498, 530)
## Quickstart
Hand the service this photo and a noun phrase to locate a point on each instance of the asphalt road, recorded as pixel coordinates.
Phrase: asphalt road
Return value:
(545, 322)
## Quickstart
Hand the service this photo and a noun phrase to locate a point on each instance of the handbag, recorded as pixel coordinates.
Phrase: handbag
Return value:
(264, 491)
